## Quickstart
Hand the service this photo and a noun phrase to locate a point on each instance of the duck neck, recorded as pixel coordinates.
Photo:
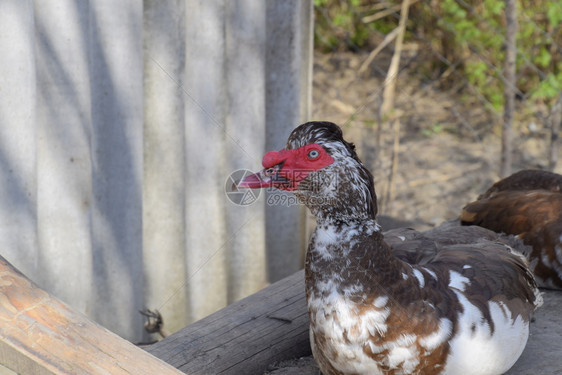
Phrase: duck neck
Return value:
(347, 247)
(350, 256)
(349, 207)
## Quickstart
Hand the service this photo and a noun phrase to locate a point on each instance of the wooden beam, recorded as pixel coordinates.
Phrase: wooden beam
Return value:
(41, 335)
(245, 337)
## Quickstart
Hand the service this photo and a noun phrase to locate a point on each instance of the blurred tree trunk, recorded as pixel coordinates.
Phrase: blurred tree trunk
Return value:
(509, 89)
(555, 122)
(393, 69)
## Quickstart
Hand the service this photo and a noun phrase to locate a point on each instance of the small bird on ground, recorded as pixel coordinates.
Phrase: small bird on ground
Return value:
(453, 300)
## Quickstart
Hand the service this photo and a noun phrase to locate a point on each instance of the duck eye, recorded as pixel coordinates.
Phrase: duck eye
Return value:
(313, 154)
(268, 172)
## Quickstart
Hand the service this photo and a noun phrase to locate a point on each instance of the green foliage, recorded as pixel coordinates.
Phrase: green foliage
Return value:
(340, 25)
(477, 27)
(540, 47)
(469, 34)
(554, 13)
(434, 129)
(548, 88)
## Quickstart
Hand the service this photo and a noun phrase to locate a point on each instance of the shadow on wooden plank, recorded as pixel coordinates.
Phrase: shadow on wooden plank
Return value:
(245, 337)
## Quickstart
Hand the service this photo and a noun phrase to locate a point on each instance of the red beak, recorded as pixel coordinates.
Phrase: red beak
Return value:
(257, 180)
(268, 177)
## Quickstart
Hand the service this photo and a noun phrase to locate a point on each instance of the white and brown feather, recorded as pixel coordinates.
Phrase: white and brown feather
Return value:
(440, 302)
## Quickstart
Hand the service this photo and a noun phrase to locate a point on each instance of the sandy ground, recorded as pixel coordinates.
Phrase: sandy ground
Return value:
(448, 149)
(446, 154)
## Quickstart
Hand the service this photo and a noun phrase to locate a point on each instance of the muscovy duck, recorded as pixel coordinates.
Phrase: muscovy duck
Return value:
(527, 204)
(454, 300)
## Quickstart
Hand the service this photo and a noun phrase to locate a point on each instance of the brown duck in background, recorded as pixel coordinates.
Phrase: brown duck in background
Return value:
(527, 204)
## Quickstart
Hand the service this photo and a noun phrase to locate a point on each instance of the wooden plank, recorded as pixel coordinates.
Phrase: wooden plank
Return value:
(41, 335)
(245, 337)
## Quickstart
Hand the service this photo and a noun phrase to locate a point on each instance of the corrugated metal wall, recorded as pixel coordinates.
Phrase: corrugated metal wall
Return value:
(119, 125)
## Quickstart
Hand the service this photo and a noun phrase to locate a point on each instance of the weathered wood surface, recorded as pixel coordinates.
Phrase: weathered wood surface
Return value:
(245, 337)
(543, 353)
(41, 335)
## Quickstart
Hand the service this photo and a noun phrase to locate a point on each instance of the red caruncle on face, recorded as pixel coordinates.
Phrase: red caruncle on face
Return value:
(295, 165)
(285, 169)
